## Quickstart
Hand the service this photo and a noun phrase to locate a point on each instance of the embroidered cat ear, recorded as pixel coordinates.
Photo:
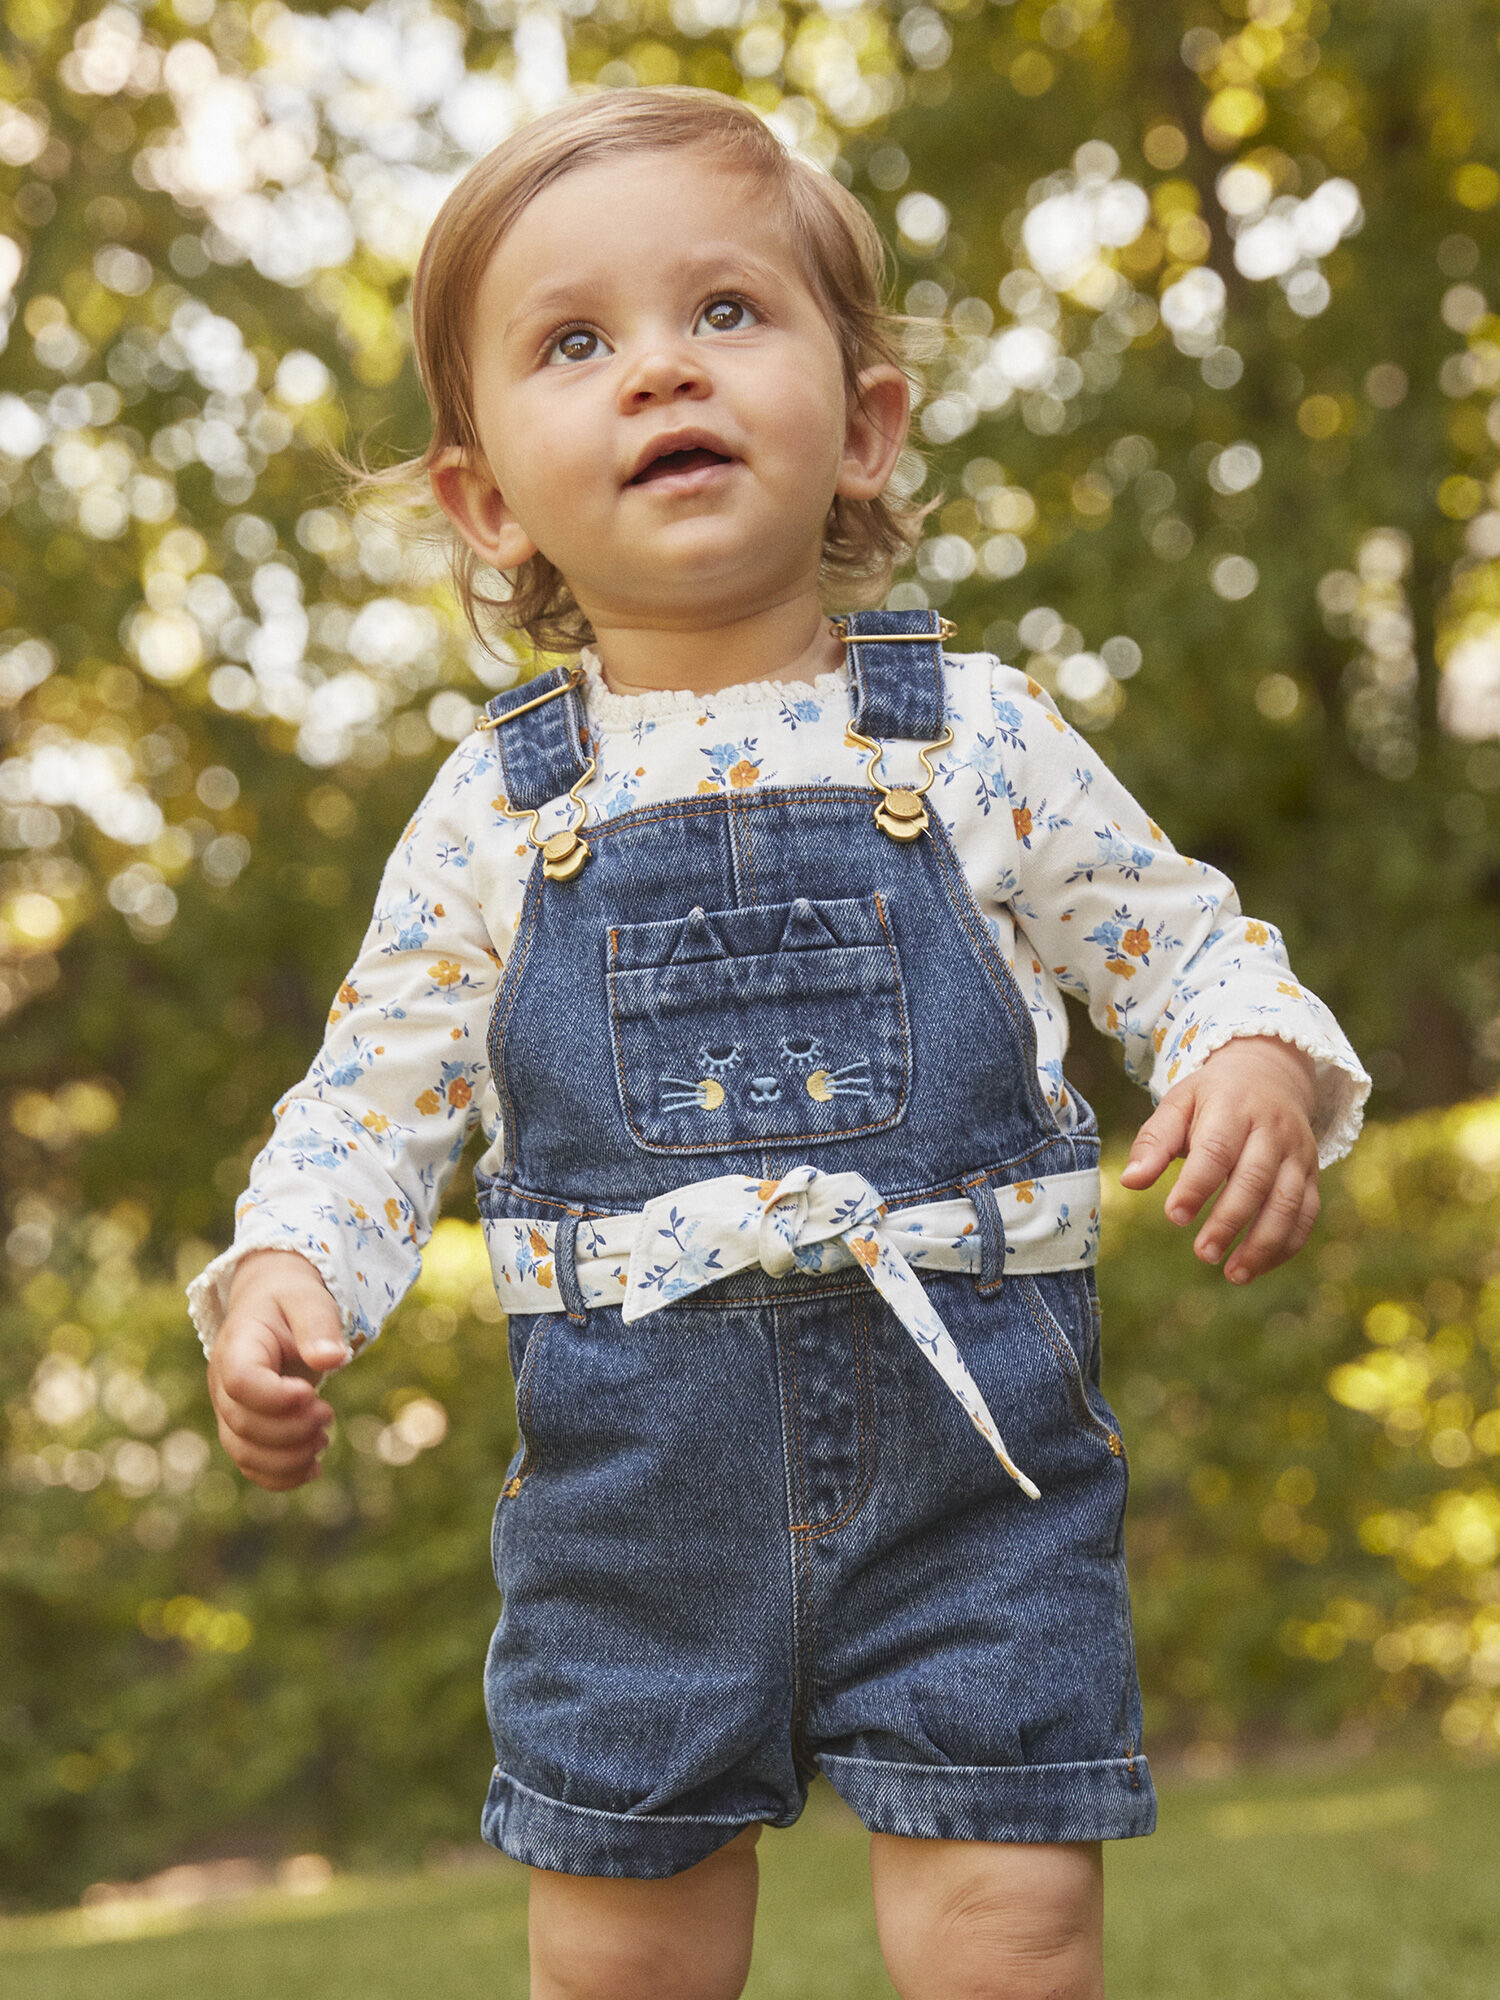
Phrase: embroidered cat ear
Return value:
(699, 939)
(805, 927)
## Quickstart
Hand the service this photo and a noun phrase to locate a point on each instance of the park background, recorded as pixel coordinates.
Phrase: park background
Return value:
(1210, 386)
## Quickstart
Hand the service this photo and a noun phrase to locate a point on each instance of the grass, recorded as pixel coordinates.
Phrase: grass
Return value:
(1368, 1882)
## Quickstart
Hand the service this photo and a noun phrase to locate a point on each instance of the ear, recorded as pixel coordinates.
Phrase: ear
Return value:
(465, 489)
(875, 432)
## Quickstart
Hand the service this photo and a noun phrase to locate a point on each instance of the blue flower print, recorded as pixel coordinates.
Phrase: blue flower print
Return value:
(412, 917)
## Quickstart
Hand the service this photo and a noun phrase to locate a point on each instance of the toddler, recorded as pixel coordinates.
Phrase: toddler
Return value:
(744, 934)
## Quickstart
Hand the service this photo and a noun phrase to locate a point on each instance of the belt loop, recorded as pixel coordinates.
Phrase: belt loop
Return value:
(991, 1234)
(565, 1264)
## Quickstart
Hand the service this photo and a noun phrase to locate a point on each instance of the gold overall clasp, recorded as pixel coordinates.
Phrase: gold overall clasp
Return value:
(563, 853)
(900, 813)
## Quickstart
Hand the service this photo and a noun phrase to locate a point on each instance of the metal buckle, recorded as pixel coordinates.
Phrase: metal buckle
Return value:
(839, 627)
(563, 853)
(901, 812)
(575, 677)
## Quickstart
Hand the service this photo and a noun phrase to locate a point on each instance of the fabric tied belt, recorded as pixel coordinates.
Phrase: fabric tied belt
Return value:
(807, 1221)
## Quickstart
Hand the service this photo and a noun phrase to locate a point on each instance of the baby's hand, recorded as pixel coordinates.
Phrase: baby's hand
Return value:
(1246, 1113)
(281, 1332)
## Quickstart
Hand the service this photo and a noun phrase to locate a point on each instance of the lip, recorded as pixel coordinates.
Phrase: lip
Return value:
(675, 441)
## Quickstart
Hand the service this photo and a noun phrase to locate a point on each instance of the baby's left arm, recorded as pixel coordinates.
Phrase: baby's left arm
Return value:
(1254, 1080)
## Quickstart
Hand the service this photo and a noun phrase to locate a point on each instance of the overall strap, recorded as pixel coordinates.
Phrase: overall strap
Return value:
(896, 673)
(541, 751)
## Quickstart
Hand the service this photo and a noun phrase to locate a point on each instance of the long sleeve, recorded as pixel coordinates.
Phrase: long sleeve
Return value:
(1153, 941)
(353, 1173)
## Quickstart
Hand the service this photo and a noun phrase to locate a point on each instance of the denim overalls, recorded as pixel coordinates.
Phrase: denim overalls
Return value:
(750, 1535)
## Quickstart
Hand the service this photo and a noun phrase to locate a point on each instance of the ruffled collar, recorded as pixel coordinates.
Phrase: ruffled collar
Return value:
(611, 711)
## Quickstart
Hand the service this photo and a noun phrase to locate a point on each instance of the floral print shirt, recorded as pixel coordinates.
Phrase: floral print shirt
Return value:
(1081, 890)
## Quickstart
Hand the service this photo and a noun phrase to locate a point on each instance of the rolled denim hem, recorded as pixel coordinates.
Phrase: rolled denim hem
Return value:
(1115, 1800)
(585, 1840)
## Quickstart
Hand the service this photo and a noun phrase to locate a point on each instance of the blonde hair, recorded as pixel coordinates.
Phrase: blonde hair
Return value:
(836, 245)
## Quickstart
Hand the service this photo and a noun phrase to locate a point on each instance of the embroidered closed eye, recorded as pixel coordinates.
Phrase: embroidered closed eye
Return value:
(721, 1060)
(801, 1050)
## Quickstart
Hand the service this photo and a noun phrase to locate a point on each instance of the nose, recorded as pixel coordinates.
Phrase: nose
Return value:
(662, 369)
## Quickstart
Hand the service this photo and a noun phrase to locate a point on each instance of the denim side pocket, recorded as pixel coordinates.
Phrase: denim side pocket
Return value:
(1080, 1374)
(523, 1464)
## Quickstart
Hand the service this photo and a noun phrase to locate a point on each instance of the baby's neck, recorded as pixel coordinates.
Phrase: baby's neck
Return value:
(791, 642)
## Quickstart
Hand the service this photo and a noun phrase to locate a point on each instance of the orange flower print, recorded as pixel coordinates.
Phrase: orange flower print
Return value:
(1158, 1036)
(1111, 1018)
(1025, 1191)
(539, 1243)
(1290, 988)
(707, 785)
(1256, 933)
(1021, 818)
(376, 1121)
(1190, 1036)
(743, 774)
(1137, 941)
(427, 1103)
(447, 972)
(1121, 967)
(1034, 688)
(765, 1189)
(460, 1091)
(866, 1249)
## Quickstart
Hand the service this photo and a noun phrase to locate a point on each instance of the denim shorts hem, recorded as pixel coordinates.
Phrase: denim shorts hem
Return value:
(1113, 1800)
(585, 1840)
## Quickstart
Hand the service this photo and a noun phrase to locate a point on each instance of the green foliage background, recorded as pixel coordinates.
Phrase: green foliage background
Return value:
(1247, 527)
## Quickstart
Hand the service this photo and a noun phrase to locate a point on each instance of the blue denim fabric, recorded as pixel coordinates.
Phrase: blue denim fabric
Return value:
(751, 1536)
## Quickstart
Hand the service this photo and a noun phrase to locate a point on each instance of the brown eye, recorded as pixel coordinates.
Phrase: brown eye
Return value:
(577, 344)
(725, 316)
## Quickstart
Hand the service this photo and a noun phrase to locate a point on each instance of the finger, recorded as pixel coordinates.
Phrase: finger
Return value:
(240, 1448)
(251, 1373)
(261, 1463)
(1160, 1139)
(1284, 1224)
(281, 1432)
(1217, 1143)
(1251, 1184)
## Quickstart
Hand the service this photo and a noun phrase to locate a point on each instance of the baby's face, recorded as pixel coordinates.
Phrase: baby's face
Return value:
(659, 396)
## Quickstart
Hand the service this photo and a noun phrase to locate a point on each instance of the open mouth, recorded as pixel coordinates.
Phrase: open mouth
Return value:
(696, 459)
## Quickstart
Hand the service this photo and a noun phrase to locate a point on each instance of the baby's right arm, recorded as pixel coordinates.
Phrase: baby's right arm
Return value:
(282, 1331)
(346, 1190)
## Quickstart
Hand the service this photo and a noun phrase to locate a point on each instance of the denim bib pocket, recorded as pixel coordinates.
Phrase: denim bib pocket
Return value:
(779, 1024)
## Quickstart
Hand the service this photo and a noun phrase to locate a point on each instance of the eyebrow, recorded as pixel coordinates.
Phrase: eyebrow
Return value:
(573, 294)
